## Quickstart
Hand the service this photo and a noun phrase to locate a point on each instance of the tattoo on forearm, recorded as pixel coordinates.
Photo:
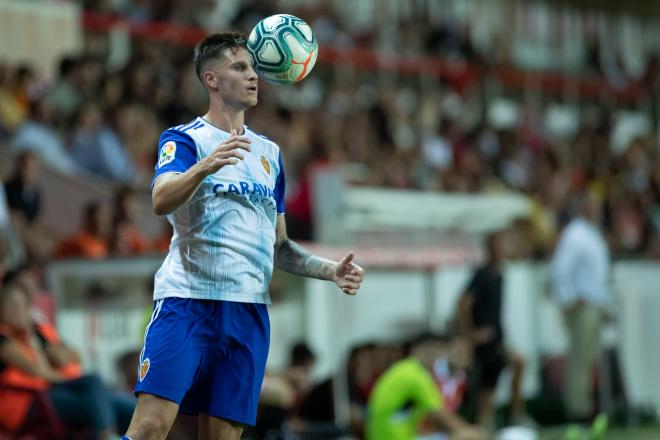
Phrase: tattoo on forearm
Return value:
(291, 257)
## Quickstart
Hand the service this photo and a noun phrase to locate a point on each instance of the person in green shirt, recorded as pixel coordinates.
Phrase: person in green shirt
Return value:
(406, 394)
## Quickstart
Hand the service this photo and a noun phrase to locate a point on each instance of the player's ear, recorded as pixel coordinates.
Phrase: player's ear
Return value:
(210, 80)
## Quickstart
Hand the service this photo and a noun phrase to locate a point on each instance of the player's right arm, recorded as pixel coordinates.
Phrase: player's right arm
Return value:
(177, 180)
(465, 322)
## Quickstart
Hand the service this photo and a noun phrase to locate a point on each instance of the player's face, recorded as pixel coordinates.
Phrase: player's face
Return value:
(236, 79)
(16, 309)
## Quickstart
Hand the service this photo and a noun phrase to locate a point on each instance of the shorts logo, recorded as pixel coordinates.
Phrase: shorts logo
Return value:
(167, 153)
(144, 368)
(265, 164)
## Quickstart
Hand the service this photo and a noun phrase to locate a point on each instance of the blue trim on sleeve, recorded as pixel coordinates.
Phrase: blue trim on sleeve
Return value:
(185, 154)
(280, 186)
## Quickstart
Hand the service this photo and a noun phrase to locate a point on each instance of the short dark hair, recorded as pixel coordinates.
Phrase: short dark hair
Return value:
(424, 338)
(12, 276)
(68, 65)
(214, 46)
(492, 241)
(301, 355)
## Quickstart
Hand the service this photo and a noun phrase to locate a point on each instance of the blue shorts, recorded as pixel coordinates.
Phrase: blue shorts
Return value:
(207, 356)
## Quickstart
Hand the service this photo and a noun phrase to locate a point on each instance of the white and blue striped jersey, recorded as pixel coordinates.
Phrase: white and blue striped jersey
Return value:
(224, 237)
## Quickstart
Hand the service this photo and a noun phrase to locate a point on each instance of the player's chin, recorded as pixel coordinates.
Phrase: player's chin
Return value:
(251, 101)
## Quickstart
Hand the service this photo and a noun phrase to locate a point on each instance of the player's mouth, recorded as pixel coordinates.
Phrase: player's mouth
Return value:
(252, 89)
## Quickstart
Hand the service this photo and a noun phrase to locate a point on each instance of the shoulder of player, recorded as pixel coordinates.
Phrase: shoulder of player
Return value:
(179, 133)
(268, 142)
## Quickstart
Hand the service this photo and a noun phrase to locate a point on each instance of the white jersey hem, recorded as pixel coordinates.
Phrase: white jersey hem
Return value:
(233, 297)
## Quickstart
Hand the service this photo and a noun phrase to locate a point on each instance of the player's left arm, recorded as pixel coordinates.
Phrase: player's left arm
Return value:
(293, 258)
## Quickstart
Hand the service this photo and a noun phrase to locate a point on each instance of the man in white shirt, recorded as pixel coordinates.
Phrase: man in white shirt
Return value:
(579, 273)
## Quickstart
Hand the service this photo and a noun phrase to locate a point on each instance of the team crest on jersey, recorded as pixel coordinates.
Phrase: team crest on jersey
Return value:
(144, 368)
(265, 164)
(167, 153)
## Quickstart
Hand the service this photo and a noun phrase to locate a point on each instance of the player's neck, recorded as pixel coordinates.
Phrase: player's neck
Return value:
(225, 118)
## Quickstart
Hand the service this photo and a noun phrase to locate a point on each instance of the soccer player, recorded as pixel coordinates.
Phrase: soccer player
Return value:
(222, 187)
(407, 393)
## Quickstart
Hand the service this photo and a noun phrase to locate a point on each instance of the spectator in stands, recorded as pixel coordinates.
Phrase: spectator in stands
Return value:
(301, 364)
(283, 392)
(407, 393)
(97, 148)
(66, 96)
(59, 355)
(126, 239)
(480, 322)
(579, 277)
(29, 277)
(22, 188)
(14, 102)
(361, 377)
(138, 129)
(40, 135)
(12, 245)
(24, 363)
(91, 241)
(23, 193)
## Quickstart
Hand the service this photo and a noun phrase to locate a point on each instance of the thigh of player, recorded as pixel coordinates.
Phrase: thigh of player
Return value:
(231, 375)
(176, 339)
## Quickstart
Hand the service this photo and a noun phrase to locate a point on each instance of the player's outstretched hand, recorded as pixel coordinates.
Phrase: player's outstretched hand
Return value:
(469, 433)
(348, 275)
(227, 153)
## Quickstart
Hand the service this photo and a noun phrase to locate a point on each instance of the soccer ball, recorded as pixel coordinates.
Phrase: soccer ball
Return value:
(283, 49)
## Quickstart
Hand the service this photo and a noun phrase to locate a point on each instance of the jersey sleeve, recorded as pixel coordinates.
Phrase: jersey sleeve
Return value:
(176, 153)
(280, 185)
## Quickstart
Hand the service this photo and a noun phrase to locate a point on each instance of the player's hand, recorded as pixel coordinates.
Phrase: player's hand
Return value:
(348, 275)
(227, 153)
(469, 433)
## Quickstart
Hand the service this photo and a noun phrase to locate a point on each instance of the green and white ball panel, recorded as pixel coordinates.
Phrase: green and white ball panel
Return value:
(274, 21)
(283, 48)
(304, 30)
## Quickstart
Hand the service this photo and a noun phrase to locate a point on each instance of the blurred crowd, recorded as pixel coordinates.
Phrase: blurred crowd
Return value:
(101, 118)
(102, 230)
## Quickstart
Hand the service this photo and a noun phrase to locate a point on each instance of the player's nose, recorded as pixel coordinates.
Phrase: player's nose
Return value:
(252, 74)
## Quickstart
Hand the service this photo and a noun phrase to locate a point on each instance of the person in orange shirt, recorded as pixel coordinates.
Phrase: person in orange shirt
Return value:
(82, 401)
(20, 365)
(91, 241)
(59, 355)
